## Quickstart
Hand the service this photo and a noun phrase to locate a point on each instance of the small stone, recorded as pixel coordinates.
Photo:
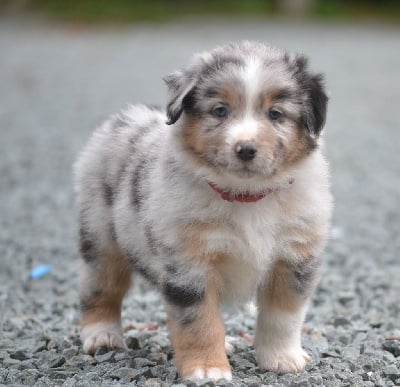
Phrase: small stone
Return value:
(346, 297)
(376, 321)
(207, 383)
(344, 340)
(392, 346)
(93, 376)
(102, 351)
(32, 373)
(57, 361)
(19, 355)
(121, 355)
(52, 344)
(106, 357)
(61, 374)
(27, 364)
(41, 346)
(392, 372)
(330, 354)
(133, 342)
(301, 383)
(171, 374)
(11, 362)
(142, 362)
(341, 321)
(70, 352)
(124, 373)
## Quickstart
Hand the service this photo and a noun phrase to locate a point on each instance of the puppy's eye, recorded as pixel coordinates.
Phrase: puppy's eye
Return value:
(274, 114)
(220, 111)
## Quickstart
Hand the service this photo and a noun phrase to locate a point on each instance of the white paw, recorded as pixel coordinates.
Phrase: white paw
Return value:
(103, 334)
(282, 361)
(229, 348)
(210, 373)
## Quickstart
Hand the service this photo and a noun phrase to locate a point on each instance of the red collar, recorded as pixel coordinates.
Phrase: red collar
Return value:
(244, 197)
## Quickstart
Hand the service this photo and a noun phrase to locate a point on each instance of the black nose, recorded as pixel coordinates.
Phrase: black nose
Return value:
(246, 151)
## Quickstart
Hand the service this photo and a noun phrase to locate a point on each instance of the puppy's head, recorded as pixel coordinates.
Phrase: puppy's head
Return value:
(247, 110)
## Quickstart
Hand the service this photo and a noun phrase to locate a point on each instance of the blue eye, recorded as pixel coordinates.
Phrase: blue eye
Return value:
(274, 114)
(220, 111)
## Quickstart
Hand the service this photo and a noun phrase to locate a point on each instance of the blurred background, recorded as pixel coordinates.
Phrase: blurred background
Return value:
(125, 11)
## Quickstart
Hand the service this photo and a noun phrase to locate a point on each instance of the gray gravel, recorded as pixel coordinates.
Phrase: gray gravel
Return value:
(57, 83)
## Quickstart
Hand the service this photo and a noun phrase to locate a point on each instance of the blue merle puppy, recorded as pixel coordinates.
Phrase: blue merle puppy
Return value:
(222, 197)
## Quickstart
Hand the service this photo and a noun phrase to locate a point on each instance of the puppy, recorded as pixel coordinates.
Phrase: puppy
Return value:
(222, 197)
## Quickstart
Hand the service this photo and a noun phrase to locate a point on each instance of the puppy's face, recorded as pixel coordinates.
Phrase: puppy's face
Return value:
(248, 110)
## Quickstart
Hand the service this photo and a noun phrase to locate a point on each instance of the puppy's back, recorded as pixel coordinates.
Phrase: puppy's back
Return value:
(124, 137)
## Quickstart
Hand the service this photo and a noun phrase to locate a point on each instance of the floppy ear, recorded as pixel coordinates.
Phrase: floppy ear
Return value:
(180, 85)
(316, 105)
(315, 100)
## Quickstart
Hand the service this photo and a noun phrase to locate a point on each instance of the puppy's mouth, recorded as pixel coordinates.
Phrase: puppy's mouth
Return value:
(243, 171)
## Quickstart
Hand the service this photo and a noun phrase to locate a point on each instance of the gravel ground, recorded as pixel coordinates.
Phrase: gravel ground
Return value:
(57, 84)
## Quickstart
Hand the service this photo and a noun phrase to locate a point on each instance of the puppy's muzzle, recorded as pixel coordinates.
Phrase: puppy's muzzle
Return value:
(246, 150)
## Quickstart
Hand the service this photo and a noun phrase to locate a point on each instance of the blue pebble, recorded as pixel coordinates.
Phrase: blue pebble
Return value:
(40, 271)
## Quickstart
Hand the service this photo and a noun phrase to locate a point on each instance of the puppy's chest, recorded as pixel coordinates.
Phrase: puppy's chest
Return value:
(247, 246)
(246, 252)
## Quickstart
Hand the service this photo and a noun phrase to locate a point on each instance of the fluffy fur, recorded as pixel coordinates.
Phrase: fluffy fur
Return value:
(245, 118)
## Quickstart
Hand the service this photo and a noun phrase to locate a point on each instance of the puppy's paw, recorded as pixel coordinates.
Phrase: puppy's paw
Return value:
(209, 373)
(282, 361)
(103, 334)
(229, 348)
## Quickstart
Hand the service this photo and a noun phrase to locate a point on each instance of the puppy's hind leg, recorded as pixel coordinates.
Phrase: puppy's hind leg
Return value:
(105, 279)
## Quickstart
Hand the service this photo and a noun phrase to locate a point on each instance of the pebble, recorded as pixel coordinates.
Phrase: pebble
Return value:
(392, 372)
(56, 362)
(105, 357)
(133, 342)
(392, 346)
(141, 362)
(124, 373)
(19, 355)
(341, 321)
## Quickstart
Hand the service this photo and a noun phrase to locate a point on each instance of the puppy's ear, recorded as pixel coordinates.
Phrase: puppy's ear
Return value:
(180, 85)
(315, 100)
(316, 106)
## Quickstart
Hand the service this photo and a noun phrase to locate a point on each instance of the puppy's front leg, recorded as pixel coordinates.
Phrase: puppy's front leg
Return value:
(197, 331)
(282, 307)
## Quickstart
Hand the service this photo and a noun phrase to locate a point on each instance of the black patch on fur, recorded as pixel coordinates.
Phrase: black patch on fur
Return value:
(171, 269)
(183, 296)
(316, 118)
(305, 274)
(189, 101)
(87, 244)
(108, 194)
(186, 106)
(314, 109)
(151, 240)
(137, 177)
